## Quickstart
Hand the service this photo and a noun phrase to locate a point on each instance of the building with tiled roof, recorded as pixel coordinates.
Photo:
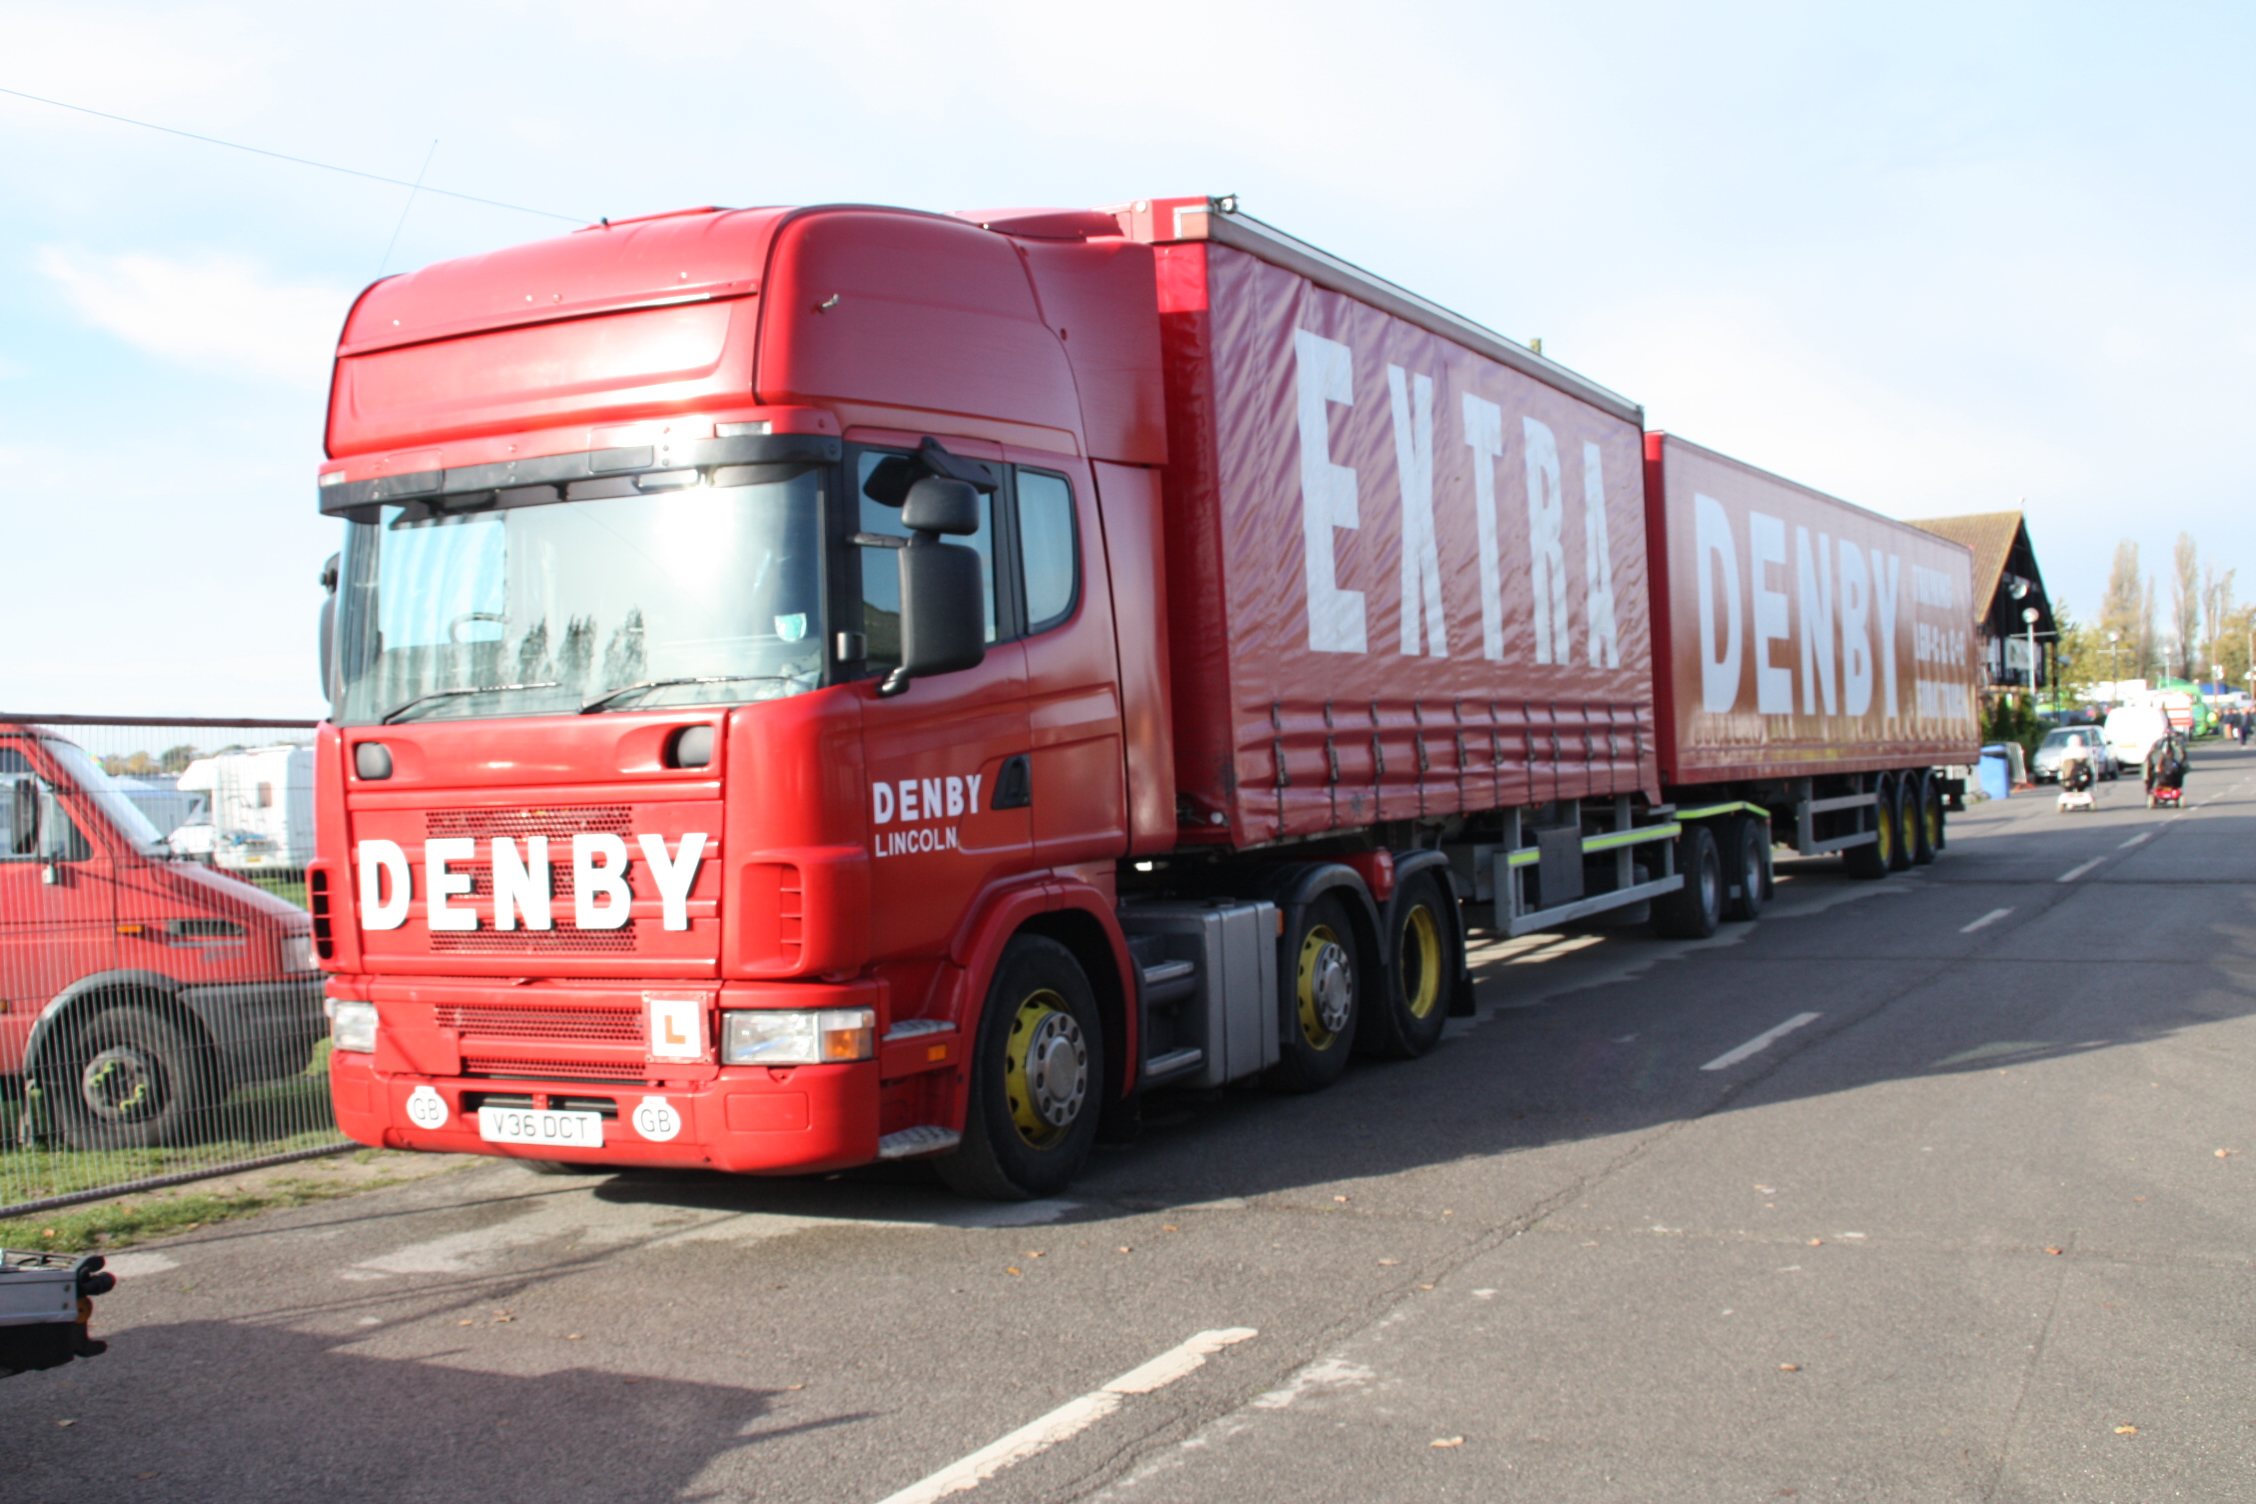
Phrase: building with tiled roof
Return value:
(2007, 585)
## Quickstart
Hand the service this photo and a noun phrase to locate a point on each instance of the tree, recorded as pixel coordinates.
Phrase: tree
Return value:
(2079, 655)
(2216, 606)
(2185, 605)
(2146, 638)
(2124, 615)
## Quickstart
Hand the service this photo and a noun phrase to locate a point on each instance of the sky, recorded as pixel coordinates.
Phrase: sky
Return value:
(1933, 259)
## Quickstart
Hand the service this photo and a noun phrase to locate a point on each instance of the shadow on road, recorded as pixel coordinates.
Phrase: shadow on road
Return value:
(233, 1427)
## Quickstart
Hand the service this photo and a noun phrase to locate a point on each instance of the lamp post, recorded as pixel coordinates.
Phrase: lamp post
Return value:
(2029, 620)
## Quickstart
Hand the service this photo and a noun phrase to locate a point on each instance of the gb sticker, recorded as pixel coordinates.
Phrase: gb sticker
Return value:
(656, 1120)
(426, 1108)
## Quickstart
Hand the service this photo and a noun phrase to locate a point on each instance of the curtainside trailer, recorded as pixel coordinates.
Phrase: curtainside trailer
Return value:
(813, 686)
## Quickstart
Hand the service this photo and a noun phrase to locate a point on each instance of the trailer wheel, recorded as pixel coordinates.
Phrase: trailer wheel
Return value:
(1877, 858)
(1909, 792)
(1693, 911)
(1747, 840)
(1408, 1021)
(134, 1079)
(1322, 974)
(1037, 1075)
(1928, 823)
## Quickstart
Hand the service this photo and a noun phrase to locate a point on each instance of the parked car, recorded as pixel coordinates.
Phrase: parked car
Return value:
(136, 989)
(2045, 766)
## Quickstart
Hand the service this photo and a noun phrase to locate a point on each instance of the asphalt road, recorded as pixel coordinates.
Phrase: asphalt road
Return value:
(1978, 1226)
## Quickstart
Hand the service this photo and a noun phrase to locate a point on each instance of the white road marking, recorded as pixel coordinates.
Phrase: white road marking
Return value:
(2075, 872)
(1068, 1419)
(1992, 917)
(2144, 835)
(1760, 1042)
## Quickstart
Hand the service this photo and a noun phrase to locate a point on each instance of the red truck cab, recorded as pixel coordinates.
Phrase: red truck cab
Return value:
(136, 989)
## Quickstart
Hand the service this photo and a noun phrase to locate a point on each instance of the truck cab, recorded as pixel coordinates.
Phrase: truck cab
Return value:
(136, 989)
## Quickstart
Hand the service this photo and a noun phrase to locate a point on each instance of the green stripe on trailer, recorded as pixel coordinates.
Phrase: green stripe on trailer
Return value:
(1710, 811)
(1526, 856)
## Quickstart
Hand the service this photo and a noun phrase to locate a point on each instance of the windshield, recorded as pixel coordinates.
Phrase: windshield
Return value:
(707, 595)
(103, 790)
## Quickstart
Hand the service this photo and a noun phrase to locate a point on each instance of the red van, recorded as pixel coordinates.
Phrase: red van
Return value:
(136, 989)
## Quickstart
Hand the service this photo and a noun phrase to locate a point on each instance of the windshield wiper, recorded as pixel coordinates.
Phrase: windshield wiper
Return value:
(604, 700)
(405, 706)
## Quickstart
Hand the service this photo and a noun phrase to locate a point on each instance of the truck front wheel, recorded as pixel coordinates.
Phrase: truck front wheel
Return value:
(134, 1079)
(1416, 1006)
(1322, 975)
(1036, 1078)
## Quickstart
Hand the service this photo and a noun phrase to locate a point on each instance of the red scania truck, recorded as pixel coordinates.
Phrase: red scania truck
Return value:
(815, 686)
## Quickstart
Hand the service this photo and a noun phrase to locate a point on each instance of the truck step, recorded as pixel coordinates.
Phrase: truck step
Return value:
(911, 1142)
(1172, 1064)
(1169, 971)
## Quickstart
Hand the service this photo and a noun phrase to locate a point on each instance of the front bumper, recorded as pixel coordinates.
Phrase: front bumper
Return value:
(751, 1120)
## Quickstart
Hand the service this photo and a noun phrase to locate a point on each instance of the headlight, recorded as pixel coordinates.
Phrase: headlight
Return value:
(775, 1036)
(352, 1026)
(297, 953)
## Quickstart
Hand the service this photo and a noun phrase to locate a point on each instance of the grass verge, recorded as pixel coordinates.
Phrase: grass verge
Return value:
(102, 1226)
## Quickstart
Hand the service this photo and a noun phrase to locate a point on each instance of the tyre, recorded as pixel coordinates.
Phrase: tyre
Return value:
(1693, 911)
(1406, 1021)
(1877, 858)
(1927, 822)
(1908, 787)
(1321, 971)
(1747, 867)
(1037, 1078)
(135, 1079)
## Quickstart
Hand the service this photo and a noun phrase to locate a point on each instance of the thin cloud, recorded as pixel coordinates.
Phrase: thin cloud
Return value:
(221, 313)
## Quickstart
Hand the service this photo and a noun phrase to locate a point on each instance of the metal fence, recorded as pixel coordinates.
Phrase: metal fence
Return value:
(160, 1013)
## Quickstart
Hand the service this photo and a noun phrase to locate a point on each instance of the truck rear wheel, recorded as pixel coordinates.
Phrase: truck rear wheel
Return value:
(1693, 911)
(1409, 1021)
(1927, 829)
(1877, 858)
(1909, 791)
(1747, 846)
(1322, 974)
(134, 1079)
(1037, 1078)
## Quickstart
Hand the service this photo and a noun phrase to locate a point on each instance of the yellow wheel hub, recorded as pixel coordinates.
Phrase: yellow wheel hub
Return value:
(1421, 962)
(1324, 986)
(1045, 1068)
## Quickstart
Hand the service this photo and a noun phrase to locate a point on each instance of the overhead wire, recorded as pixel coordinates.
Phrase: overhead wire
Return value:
(373, 177)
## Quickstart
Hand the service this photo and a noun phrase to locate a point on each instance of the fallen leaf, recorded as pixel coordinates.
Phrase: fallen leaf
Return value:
(1123, 1249)
(2053, 1251)
(1170, 1229)
(2226, 1153)
(1339, 1198)
(66, 1423)
(1425, 1287)
(2138, 1198)
(2119, 1430)
(1447, 1441)
(1817, 1242)
(50, 1232)
(794, 1386)
(571, 1336)
(498, 1320)
(1789, 1368)
(1388, 1263)
(1014, 1268)
(466, 1323)
(144, 1477)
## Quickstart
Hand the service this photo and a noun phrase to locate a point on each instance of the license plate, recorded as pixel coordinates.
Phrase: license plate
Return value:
(555, 1130)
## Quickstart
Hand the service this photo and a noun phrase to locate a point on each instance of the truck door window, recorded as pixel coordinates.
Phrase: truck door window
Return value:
(1046, 548)
(881, 569)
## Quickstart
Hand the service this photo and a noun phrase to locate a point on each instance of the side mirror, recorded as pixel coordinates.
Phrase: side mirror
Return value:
(943, 615)
(329, 630)
(938, 505)
(23, 817)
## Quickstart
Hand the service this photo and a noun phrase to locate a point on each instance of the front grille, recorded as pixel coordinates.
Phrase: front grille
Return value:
(544, 1025)
(559, 825)
(616, 942)
(553, 1070)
